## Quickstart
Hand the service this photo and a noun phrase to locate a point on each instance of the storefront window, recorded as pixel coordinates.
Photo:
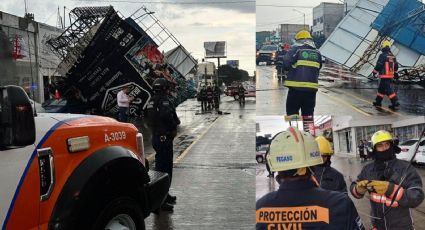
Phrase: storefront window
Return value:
(344, 137)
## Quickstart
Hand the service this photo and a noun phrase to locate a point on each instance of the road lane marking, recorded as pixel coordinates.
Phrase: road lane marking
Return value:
(152, 155)
(181, 156)
(371, 103)
(346, 103)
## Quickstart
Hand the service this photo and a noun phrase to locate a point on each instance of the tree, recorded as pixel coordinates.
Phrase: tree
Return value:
(228, 74)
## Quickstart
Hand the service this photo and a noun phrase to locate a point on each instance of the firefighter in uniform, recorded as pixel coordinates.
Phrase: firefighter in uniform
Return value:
(164, 121)
(279, 64)
(328, 177)
(386, 67)
(391, 184)
(216, 96)
(203, 97)
(299, 203)
(303, 62)
(209, 92)
(241, 94)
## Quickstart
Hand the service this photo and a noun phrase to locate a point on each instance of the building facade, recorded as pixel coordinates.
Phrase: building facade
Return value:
(287, 32)
(348, 132)
(25, 58)
(261, 37)
(326, 17)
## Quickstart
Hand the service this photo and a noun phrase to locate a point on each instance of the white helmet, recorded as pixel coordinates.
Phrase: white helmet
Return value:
(293, 149)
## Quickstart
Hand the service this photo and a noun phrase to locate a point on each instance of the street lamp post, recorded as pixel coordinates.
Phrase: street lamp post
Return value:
(302, 14)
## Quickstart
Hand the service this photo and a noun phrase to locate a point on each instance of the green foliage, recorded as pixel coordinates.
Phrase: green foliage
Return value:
(229, 74)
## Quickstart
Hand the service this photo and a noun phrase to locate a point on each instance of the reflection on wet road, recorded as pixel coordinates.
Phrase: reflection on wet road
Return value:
(340, 93)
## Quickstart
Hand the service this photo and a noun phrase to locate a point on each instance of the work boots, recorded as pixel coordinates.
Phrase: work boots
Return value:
(394, 103)
(378, 101)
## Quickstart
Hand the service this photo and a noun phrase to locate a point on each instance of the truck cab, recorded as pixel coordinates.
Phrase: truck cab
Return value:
(267, 54)
(67, 171)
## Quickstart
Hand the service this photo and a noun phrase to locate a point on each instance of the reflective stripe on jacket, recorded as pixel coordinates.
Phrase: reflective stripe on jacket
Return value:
(303, 64)
(386, 65)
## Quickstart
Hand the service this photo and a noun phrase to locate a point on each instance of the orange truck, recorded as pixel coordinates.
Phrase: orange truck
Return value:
(66, 171)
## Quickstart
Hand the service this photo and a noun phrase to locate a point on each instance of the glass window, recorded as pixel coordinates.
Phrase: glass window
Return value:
(409, 142)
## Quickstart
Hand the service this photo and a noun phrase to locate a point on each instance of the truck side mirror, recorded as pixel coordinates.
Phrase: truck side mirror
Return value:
(17, 126)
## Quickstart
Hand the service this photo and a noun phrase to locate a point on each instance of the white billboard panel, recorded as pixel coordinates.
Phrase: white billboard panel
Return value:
(215, 49)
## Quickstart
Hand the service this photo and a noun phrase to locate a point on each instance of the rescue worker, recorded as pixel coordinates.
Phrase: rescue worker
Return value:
(216, 96)
(303, 62)
(299, 203)
(203, 97)
(164, 121)
(362, 154)
(386, 67)
(279, 64)
(241, 94)
(328, 177)
(391, 184)
(209, 92)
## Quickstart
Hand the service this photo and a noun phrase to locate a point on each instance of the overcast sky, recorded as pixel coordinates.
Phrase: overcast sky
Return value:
(270, 13)
(191, 23)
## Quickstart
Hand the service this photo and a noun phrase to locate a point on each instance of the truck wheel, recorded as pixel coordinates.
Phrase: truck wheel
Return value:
(259, 159)
(121, 213)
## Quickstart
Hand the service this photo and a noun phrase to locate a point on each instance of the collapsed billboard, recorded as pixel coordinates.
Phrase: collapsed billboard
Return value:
(112, 54)
(355, 42)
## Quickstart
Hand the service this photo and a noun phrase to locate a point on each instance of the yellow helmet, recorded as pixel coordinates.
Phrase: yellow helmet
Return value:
(303, 34)
(325, 146)
(293, 149)
(381, 136)
(386, 43)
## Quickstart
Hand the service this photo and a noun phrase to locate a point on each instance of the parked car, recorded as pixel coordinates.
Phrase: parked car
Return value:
(408, 148)
(268, 54)
(260, 155)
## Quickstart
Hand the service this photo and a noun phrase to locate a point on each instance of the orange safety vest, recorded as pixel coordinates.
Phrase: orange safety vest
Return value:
(389, 67)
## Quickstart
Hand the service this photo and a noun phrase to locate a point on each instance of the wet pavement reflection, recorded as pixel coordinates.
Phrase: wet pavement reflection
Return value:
(340, 93)
(214, 170)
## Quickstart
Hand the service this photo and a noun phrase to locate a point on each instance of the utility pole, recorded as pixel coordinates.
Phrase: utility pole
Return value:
(218, 66)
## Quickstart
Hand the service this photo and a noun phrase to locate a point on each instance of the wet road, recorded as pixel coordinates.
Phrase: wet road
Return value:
(340, 93)
(214, 169)
(350, 168)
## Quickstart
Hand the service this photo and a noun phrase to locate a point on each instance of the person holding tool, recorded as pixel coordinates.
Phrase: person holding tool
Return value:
(393, 185)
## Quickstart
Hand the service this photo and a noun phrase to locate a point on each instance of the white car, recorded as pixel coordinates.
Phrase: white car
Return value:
(408, 148)
(260, 154)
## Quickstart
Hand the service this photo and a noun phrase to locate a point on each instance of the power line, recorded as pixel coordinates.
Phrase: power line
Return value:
(281, 22)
